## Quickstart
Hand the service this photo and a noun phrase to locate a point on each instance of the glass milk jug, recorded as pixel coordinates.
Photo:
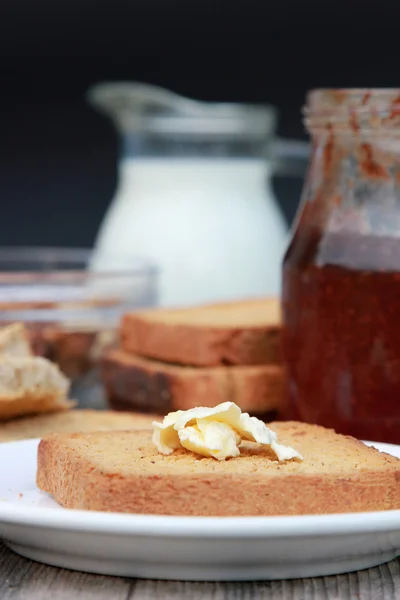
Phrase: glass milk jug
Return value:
(194, 195)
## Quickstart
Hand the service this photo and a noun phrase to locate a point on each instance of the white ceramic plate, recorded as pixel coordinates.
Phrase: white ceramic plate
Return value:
(185, 548)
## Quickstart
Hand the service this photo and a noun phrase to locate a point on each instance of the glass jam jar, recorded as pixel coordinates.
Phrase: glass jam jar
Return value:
(341, 272)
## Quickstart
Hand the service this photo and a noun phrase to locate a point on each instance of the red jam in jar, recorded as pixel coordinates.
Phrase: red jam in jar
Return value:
(341, 273)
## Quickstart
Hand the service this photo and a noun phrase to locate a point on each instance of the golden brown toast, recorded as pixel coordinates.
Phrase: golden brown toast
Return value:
(236, 333)
(72, 421)
(137, 383)
(123, 472)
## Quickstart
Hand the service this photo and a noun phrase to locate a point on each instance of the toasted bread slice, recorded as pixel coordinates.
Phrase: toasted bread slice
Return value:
(14, 341)
(237, 333)
(123, 472)
(31, 385)
(137, 383)
(72, 421)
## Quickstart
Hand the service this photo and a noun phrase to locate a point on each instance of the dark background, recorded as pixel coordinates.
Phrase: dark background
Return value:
(58, 157)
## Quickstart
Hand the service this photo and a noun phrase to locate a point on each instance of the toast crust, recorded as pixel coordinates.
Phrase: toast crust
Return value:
(237, 333)
(123, 472)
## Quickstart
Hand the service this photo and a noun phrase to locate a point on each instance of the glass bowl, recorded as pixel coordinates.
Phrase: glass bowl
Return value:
(71, 311)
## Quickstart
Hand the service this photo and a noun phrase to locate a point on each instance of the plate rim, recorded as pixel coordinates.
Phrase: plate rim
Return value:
(200, 527)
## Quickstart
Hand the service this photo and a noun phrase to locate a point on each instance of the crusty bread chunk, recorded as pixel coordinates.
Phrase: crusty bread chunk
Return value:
(14, 341)
(31, 385)
(143, 384)
(37, 426)
(236, 333)
(123, 472)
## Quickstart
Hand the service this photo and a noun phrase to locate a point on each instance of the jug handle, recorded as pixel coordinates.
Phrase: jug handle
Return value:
(290, 157)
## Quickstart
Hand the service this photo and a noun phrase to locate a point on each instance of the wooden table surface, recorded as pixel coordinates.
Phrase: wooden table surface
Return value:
(22, 579)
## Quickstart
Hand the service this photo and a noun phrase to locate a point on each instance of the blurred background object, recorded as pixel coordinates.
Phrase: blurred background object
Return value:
(71, 315)
(58, 167)
(194, 193)
(59, 157)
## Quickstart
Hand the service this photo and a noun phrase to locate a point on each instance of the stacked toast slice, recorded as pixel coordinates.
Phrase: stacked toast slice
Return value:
(202, 356)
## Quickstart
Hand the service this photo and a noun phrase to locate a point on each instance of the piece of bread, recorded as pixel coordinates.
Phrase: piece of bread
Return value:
(14, 341)
(237, 333)
(72, 421)
(30, 385)
(123, 472)
(135, 383)
(76, 350)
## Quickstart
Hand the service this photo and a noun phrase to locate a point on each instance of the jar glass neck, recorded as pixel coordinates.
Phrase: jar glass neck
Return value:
(353, 185)
(363, 112)
(367, 157)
